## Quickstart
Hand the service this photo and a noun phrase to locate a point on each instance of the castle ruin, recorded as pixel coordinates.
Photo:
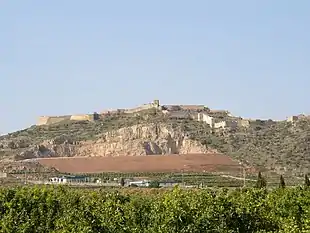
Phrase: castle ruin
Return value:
(195, 112)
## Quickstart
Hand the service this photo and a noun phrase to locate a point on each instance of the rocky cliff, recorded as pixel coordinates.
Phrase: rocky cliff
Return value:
(142, 139)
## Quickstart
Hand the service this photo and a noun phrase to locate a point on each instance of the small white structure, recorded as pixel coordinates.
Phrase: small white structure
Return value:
(140, 183)
(68, 179)
(292, 119)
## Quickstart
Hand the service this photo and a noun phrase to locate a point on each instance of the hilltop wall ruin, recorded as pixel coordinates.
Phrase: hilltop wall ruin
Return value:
(47, 120)
(196, 112)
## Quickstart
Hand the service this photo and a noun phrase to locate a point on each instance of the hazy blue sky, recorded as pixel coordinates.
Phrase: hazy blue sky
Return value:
(251, 57)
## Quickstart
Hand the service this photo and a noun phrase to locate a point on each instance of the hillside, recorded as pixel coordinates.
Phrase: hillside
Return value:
(279, 146)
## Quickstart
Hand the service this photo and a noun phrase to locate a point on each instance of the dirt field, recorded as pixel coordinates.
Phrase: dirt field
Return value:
(150, 163)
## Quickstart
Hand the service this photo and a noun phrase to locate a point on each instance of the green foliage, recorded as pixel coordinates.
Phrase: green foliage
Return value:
(154, 184)
(60, 209)
(122, 182)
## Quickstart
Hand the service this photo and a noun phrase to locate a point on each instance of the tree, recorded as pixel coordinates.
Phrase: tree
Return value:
(261, 182)
(122, 182)
(154, 184)
(282, 182)
(307, 181)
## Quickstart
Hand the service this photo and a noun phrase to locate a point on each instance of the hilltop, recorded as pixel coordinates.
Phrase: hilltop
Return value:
(281, 146)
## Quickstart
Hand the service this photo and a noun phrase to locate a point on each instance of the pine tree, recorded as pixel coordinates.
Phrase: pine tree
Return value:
(307, 181)
(261, 182)
(282, 182)
(122, 182)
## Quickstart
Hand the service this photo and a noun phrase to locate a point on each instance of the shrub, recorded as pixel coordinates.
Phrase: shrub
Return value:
(63, 209)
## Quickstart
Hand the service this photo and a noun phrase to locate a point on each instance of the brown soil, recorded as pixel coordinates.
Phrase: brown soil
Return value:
(150, 163)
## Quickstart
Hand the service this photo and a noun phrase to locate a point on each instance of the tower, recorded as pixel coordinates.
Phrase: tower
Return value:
(156, 103)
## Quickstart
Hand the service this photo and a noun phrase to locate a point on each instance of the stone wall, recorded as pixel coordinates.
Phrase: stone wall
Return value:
(82, 117)
(206, 118)
(57, 119)
(47, 120)
(192, 107)
(225, 124)
(43, 120)
(154, 104)
(140, 108)
(217, 125)
(179, 115)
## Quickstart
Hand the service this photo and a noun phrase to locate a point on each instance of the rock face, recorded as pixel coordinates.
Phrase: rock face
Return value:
(137, 140)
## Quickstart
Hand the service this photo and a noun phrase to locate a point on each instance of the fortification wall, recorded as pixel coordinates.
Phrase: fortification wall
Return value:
(192, 107)
(206, 118)
(43, 120)
(209, 120)
(47, 120)
(140, 108)
(225, 124)
(82, 117)
(57, 119)
(179, 115)
(221, 124)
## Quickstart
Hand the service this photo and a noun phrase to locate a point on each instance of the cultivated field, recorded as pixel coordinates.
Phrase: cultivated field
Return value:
(150, 163)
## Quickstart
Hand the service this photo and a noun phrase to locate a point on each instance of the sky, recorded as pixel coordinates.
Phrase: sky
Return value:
(69, 57)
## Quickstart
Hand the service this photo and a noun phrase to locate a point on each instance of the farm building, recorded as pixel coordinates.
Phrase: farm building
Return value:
(146, 183)
(69, 179)
(140, 183)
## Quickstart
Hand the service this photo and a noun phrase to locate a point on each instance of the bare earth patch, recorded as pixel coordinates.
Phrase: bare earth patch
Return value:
(149, 163)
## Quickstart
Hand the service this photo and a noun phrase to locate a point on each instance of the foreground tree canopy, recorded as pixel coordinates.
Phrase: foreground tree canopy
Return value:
(48, 209)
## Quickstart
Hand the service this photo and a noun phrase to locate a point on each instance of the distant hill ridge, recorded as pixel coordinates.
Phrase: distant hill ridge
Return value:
(281, 146)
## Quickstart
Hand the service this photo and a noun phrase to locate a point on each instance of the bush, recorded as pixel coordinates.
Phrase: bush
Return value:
(63, 209)
(154, 184)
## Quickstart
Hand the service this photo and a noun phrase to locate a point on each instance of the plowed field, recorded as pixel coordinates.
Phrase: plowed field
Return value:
(149, 163)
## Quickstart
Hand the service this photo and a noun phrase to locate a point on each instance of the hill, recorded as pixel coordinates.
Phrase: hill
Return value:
(277, 146)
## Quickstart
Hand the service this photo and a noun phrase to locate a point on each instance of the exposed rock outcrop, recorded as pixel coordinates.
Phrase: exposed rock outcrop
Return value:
(137, 140)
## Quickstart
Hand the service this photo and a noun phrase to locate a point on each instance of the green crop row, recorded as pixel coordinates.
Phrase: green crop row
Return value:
(60, 209)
